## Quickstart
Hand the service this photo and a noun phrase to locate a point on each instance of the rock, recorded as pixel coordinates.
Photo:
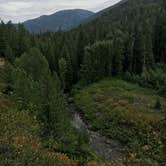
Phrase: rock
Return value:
(103, 146)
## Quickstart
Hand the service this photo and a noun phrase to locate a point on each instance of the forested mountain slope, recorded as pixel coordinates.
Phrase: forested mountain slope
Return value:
(135, 31)
(62, 20)
(126, 42)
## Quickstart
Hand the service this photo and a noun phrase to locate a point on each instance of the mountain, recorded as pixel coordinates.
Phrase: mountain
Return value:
(63, 20)
(135, 29)
(118, 4)
(113, 73)
(119, 11)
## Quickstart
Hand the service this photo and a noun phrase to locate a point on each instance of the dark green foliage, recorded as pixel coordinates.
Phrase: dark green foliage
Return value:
(23, 39)
(135, 29)
(34, 63)
(160, 37)
(157, 104)
(97, 61)
(152, 78)
(3, 38)
(13, 41)
(103, 59)
(162, 91)
(63, 71)
(7, 75)
(66, 60)
(126, 41)
(133, 36)
(36, 88)
(9, 54)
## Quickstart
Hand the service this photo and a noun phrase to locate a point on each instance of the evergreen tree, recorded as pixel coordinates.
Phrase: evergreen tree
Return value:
(138, 52)
(160, 37)
(34, 63)
(97, 62)
(23, 40)
(63, 72)
(9, 54)
(3, 38)
(117, 60)
(69, 68)
(36, 89)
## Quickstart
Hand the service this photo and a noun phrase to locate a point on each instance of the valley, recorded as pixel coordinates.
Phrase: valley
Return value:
(79, 88)
(124, 112)
(106, 148)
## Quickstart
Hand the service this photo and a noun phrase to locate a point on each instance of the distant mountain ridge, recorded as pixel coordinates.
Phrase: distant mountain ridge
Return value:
(62, 20)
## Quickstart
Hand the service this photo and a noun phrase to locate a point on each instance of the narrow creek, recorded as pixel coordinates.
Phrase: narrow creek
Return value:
(105, 147)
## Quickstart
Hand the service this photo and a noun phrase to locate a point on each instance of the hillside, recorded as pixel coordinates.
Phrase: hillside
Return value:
(62, 20)
(20, 140)
(96, 93)
(132, 33)
(128, 113)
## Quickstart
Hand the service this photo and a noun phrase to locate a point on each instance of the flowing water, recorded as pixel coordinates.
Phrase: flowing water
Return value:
(105, 147)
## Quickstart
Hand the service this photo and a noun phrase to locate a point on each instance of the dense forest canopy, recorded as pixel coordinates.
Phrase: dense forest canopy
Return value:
(126, 41)
(135, 29)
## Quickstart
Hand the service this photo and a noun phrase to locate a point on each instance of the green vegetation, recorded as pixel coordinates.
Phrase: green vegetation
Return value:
(35, 125)
(38, 91)
(128, 113)
(20, 142)
(125, 42)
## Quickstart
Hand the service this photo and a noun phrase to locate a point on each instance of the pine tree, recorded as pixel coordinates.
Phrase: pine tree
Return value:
(87, 69)
(3, 38)
(34, 63)
(23, 40)
(117, 61)
(160, 37)
(69, 73)
(157, 104)
(97, 62)
(81, 43)
(138, 52)
(63, 71)
(9, 54)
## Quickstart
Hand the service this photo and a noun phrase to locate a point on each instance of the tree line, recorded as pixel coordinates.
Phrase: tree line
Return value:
(126, 42)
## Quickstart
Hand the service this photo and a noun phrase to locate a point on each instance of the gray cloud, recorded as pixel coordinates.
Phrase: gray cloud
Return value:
(21, 10)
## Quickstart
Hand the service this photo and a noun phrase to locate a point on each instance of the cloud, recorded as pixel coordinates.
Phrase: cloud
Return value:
(21, 10)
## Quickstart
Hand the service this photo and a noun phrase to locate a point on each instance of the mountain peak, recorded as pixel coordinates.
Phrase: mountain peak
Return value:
(64, 20)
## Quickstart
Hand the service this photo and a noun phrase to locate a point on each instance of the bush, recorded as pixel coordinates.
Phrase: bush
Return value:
(158, 104)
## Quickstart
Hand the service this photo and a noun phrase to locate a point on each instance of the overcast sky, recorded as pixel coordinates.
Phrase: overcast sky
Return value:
(21, 10)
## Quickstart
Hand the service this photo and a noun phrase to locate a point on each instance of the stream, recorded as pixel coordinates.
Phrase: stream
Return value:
(104, 147)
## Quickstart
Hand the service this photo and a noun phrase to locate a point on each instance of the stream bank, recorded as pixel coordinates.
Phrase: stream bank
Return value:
(103, 146)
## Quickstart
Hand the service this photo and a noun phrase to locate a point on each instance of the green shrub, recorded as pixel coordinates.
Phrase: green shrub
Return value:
(157, 104)
(125, 112)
